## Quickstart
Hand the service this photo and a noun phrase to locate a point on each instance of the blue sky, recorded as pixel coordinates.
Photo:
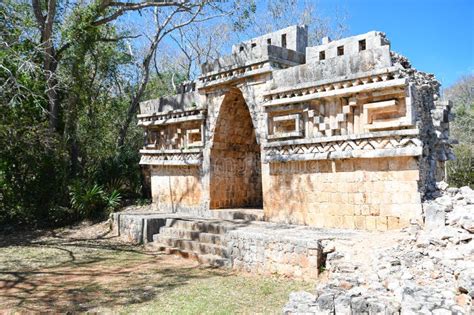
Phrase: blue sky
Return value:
(437, 36)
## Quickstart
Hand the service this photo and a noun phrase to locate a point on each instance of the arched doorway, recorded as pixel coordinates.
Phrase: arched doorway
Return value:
(235, 180)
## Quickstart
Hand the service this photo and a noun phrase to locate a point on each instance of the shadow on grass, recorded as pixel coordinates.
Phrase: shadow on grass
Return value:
(50, 271)
(84, 290)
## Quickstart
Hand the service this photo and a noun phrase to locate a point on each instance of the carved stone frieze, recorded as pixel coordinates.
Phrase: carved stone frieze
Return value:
(170, 158)
(340, 148)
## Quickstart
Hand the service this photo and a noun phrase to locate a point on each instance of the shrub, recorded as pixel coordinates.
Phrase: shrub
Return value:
(120, 172)
(93, 202)
(33, 171)
(461, 171)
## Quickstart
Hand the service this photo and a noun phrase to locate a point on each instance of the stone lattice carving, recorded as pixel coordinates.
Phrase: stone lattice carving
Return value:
(395, 145)
(172, 158)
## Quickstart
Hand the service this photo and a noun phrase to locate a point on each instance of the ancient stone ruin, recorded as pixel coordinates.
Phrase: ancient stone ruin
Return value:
(341, 135)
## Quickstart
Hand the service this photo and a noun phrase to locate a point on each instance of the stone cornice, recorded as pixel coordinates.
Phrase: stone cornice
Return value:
(379, 144)
(335, 90)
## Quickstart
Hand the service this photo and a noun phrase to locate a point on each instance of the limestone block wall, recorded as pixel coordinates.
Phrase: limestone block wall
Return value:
(373, 194)
(293, 37)
(274, 253)
(235, 179)
(176, 187)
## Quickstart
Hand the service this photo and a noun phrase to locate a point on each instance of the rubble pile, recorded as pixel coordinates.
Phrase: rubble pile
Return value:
(423, 271)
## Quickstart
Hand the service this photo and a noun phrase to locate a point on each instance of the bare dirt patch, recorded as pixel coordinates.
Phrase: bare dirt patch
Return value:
(85, 269)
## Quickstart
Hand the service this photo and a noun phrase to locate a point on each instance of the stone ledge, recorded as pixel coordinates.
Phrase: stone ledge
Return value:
(178, 159)
(169, 121)
(265, 68)
(359, 75)
(378, 134)
(415, 151)
(173, 162)
(288, 250)
(170, 151)
(339, 92)
(172, 113)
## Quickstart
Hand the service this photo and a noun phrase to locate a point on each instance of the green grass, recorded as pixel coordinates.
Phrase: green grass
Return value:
(64, 275)
(223, 294)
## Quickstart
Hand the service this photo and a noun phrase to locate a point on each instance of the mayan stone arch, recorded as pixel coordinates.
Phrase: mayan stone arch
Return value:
(235, 172)
(344, 134)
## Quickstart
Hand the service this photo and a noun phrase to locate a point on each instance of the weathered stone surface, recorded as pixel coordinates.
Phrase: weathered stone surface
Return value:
(467, 193)
(287, 250)
(427, 271)
(435, 215)
(136, 228)
(345, 134)
(466, 282)
(301, 303)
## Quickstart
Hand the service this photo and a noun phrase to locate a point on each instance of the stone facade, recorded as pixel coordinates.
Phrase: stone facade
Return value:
(373, 194)
(344, 134)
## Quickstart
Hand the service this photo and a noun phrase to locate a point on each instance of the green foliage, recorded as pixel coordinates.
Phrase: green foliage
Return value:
(93, 201)
(244, 9)
(89, 201)
(33, 170)
(160, 85)
(120, 172)
(461, 171)
(58, 169)
(33, 160)
(113, 200)
(49, 177)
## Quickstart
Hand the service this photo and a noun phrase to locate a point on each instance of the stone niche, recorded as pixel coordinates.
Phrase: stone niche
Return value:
(343, 135)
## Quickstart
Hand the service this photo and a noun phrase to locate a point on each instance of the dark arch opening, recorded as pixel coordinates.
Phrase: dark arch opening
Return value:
(235, 180)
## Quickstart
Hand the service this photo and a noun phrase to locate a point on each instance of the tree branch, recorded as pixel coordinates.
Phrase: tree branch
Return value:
(116, 39)
(157, 3)
(39, 15)
(126, 6)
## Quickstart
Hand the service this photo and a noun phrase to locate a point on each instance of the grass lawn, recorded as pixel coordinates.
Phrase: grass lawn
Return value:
(83, 269)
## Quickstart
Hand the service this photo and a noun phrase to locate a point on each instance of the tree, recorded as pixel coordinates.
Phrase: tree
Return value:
(199, 44)
(462, 95)
(278, 14)
(165, 23)
(461, 171)
(68, 79)
(90, 25)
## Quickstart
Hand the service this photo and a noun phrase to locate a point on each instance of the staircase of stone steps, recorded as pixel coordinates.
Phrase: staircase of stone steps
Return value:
(199, 239)
(238, 214)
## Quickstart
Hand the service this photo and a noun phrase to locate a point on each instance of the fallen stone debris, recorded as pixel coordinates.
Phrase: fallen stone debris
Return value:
(425, 271)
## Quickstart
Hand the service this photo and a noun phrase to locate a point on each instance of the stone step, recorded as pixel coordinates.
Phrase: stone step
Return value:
(170, 232)
(214, 261)
(176, 251)
(205, 259)
(180, 252)
(179, 233)
(200, 226)
(193, 246)
(238, 214)
(210, 238)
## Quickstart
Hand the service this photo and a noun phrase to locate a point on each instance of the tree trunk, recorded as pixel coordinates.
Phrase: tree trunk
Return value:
(132, 110)
(45, 26)
(133, 107)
